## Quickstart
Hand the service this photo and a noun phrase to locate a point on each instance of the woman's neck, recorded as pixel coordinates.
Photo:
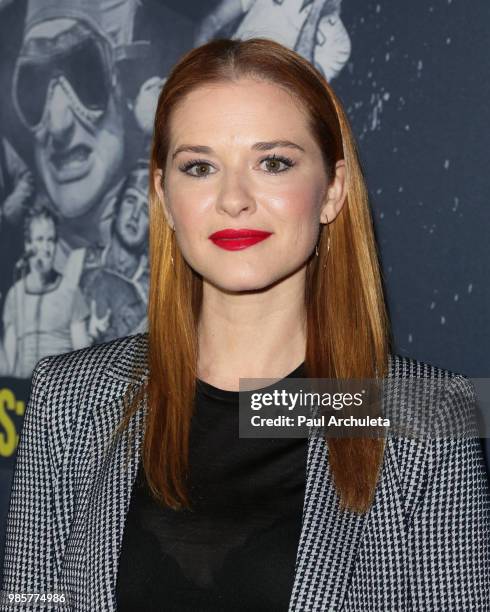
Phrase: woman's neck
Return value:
(260, 334)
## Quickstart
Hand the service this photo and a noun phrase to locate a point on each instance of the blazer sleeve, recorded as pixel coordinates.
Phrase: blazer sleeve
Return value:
(28, 560)
(450, 544)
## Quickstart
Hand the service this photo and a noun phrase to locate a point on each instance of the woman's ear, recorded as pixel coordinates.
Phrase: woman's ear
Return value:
(336, 194)
(158, 185)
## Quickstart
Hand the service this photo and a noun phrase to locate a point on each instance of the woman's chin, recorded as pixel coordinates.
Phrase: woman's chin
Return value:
(238, 284)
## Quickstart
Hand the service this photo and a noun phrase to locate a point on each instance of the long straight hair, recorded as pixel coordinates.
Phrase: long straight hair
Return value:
(347, 323)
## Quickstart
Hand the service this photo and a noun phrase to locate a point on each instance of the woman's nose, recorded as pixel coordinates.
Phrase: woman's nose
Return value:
(235, 196)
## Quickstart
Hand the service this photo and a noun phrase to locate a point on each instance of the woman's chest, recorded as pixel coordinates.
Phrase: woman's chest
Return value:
(233, 550)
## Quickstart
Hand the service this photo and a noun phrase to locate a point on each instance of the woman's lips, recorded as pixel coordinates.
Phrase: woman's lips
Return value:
(237, 239)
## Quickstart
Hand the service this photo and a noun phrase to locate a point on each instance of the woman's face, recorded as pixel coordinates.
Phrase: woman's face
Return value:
(236, 183)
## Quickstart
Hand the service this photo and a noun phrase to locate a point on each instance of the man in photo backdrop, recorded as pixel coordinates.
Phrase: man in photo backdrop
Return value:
(68, 92)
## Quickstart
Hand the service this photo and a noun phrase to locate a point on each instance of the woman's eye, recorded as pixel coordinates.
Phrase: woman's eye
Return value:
(275, 162)
(198, 165)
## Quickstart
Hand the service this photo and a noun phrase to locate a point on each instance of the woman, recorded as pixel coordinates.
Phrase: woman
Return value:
(132, 488)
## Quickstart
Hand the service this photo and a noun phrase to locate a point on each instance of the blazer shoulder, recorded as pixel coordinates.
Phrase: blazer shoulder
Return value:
(444, 399)
(435, 417)
(79, 368)
(66, 387)
(403, 366)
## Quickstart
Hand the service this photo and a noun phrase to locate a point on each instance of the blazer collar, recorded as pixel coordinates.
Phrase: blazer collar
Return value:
(329, 538)
(129, 363)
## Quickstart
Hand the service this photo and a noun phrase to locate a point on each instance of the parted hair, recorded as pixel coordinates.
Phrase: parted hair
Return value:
(348, 332)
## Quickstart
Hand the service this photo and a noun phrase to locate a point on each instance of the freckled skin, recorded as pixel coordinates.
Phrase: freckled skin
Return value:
(236, 186)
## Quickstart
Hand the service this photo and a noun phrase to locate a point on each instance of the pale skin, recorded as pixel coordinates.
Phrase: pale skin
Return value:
(252, 321)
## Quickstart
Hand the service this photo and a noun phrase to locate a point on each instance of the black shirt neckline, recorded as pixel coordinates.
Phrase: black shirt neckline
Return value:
(233, 396)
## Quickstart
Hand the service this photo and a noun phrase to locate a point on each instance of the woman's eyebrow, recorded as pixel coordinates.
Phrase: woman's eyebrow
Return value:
(258, 146)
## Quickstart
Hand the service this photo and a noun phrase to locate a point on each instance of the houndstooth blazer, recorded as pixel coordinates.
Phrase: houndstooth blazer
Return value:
(424, 544)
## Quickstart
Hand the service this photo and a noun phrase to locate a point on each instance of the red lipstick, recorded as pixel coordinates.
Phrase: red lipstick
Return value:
(237, 239)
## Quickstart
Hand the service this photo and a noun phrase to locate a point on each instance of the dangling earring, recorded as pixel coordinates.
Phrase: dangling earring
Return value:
(317, 252)
(328, 244)
(173, 240)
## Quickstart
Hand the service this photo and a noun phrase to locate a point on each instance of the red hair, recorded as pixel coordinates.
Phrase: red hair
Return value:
(347, 323)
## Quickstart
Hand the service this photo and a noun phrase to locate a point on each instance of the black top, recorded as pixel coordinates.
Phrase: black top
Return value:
(236, 549)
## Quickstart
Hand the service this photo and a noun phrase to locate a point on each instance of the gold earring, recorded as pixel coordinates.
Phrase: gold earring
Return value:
(172, 227)
(317, 252)
(328, 244)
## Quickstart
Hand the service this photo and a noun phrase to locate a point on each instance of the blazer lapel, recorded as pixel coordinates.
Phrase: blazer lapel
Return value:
(115, 465)
(329, 538)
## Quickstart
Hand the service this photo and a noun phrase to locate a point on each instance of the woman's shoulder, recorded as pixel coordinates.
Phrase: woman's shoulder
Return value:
(404, 366)
(434, 431)
(68, 388)
(440, 400)
(118, 356)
